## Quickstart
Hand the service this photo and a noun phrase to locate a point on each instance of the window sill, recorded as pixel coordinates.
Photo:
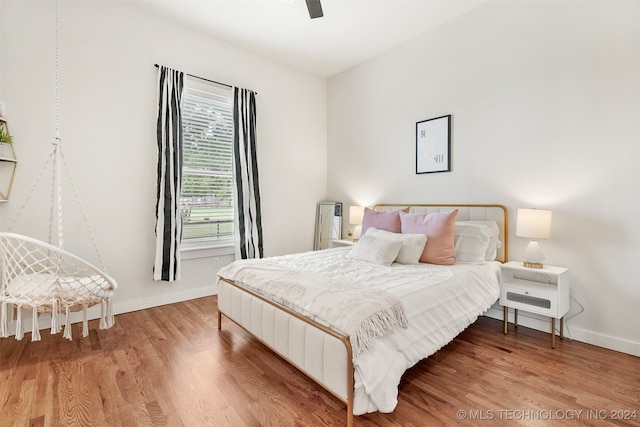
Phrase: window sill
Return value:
(201, 251)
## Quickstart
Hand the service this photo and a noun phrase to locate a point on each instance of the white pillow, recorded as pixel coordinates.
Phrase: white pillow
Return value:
(412, 244)
(471, 242)
(375, 250)
(492, 250)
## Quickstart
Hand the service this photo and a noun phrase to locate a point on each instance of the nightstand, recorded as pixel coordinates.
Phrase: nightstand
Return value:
(536, 290)
(344, 242)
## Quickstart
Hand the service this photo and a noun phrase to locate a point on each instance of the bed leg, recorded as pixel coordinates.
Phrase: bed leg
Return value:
(219, 320)
(350, 384)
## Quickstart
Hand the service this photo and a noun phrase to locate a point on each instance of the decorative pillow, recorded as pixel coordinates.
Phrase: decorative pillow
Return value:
(471, 242)
(375, 250)
(439, 228)
(492, 250)
(389, 221)
(412, 244)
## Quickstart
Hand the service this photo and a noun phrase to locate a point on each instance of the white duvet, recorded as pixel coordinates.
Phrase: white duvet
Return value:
(439, 301)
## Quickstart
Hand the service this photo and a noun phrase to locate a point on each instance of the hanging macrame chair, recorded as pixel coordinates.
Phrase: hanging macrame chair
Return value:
(43, 278)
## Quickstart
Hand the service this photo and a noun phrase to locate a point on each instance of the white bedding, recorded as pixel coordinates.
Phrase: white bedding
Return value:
(439, 302)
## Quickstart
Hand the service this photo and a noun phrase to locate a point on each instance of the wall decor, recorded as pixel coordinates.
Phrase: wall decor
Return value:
(433, 145)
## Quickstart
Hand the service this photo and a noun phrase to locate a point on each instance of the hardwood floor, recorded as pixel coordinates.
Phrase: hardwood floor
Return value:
(170, 366)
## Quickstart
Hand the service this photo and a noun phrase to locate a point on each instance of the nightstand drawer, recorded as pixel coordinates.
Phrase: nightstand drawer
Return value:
(530, 300)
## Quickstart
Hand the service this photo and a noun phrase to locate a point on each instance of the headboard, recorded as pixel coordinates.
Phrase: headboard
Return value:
(466, 212)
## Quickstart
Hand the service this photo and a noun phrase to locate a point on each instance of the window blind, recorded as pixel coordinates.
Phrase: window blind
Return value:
(207, 173)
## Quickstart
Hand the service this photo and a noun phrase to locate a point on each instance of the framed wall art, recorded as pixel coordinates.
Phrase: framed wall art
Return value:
(433, 145)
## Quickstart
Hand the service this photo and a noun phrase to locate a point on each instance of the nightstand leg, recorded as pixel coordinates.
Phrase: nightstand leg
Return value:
(515, 317)
(562, 328)
(553, 332)
(506, 318)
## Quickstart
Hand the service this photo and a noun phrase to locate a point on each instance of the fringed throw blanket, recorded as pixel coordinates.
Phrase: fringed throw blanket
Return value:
(320, 291)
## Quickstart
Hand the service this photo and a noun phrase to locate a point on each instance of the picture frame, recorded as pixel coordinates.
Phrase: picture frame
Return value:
(433, 145)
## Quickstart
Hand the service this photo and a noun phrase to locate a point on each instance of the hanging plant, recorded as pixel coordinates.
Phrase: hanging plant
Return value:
(5, 138)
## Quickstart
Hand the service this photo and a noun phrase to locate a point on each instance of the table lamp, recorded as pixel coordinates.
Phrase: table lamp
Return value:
(534, 224)
(356, 214)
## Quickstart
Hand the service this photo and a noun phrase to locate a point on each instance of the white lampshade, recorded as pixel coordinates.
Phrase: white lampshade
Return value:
(356, 213)
(534, 224)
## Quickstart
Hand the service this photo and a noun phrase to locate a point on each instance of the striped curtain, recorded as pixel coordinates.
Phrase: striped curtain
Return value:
(169, 133)
(248, 216)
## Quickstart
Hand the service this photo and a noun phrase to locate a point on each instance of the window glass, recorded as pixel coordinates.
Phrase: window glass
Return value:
(207, 173)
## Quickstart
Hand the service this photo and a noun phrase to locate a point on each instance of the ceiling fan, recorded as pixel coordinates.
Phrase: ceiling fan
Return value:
(315, 9)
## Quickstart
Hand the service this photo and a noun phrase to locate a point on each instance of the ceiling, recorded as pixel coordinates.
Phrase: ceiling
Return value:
(350, 32)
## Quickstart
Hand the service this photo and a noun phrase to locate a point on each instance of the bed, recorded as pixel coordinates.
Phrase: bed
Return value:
(289, 303)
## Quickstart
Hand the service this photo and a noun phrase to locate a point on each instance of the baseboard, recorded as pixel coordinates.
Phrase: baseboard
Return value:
(158, 300)
(542, 323)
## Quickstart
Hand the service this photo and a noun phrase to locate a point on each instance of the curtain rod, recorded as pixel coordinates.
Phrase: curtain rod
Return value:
(207, 80)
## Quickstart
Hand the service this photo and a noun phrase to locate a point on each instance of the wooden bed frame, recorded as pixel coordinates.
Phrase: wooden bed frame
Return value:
(319, 352)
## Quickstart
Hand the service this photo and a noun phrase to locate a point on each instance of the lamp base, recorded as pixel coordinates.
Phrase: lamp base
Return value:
(357, 233)
(533, 256)
(532, 264)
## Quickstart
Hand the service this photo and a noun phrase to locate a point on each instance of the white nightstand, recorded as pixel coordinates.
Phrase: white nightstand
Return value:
(542, 291)
(344, 242)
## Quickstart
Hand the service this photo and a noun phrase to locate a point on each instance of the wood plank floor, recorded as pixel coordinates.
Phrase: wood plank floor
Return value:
(169, 366)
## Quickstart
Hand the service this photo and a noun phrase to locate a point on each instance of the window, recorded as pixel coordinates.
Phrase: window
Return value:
(206, 201)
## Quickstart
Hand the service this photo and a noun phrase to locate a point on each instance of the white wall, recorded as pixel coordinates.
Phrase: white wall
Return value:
(545, 98)
(107, 121)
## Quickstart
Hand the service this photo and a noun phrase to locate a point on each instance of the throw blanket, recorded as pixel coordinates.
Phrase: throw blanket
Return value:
(360, 312)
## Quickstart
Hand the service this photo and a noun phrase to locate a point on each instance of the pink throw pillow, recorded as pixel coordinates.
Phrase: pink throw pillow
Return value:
(389, 221)
(440, 229)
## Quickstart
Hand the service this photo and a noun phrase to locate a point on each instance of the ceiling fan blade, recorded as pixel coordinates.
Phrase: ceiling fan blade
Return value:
(315, 9)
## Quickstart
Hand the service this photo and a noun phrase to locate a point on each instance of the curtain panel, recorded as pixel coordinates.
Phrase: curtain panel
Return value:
(166, 265)
(248, 213)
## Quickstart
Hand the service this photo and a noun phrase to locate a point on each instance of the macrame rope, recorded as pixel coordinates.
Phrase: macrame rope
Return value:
(57, 63)
(35, 331)
(85, 321)
(84, 213)
(56, 183)
(52, 196)
(3, 320)
(31, 191)
(110, 317)
(103, 314)
(56, 166)
(67, 324)
(19, 332)
(55, 327)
